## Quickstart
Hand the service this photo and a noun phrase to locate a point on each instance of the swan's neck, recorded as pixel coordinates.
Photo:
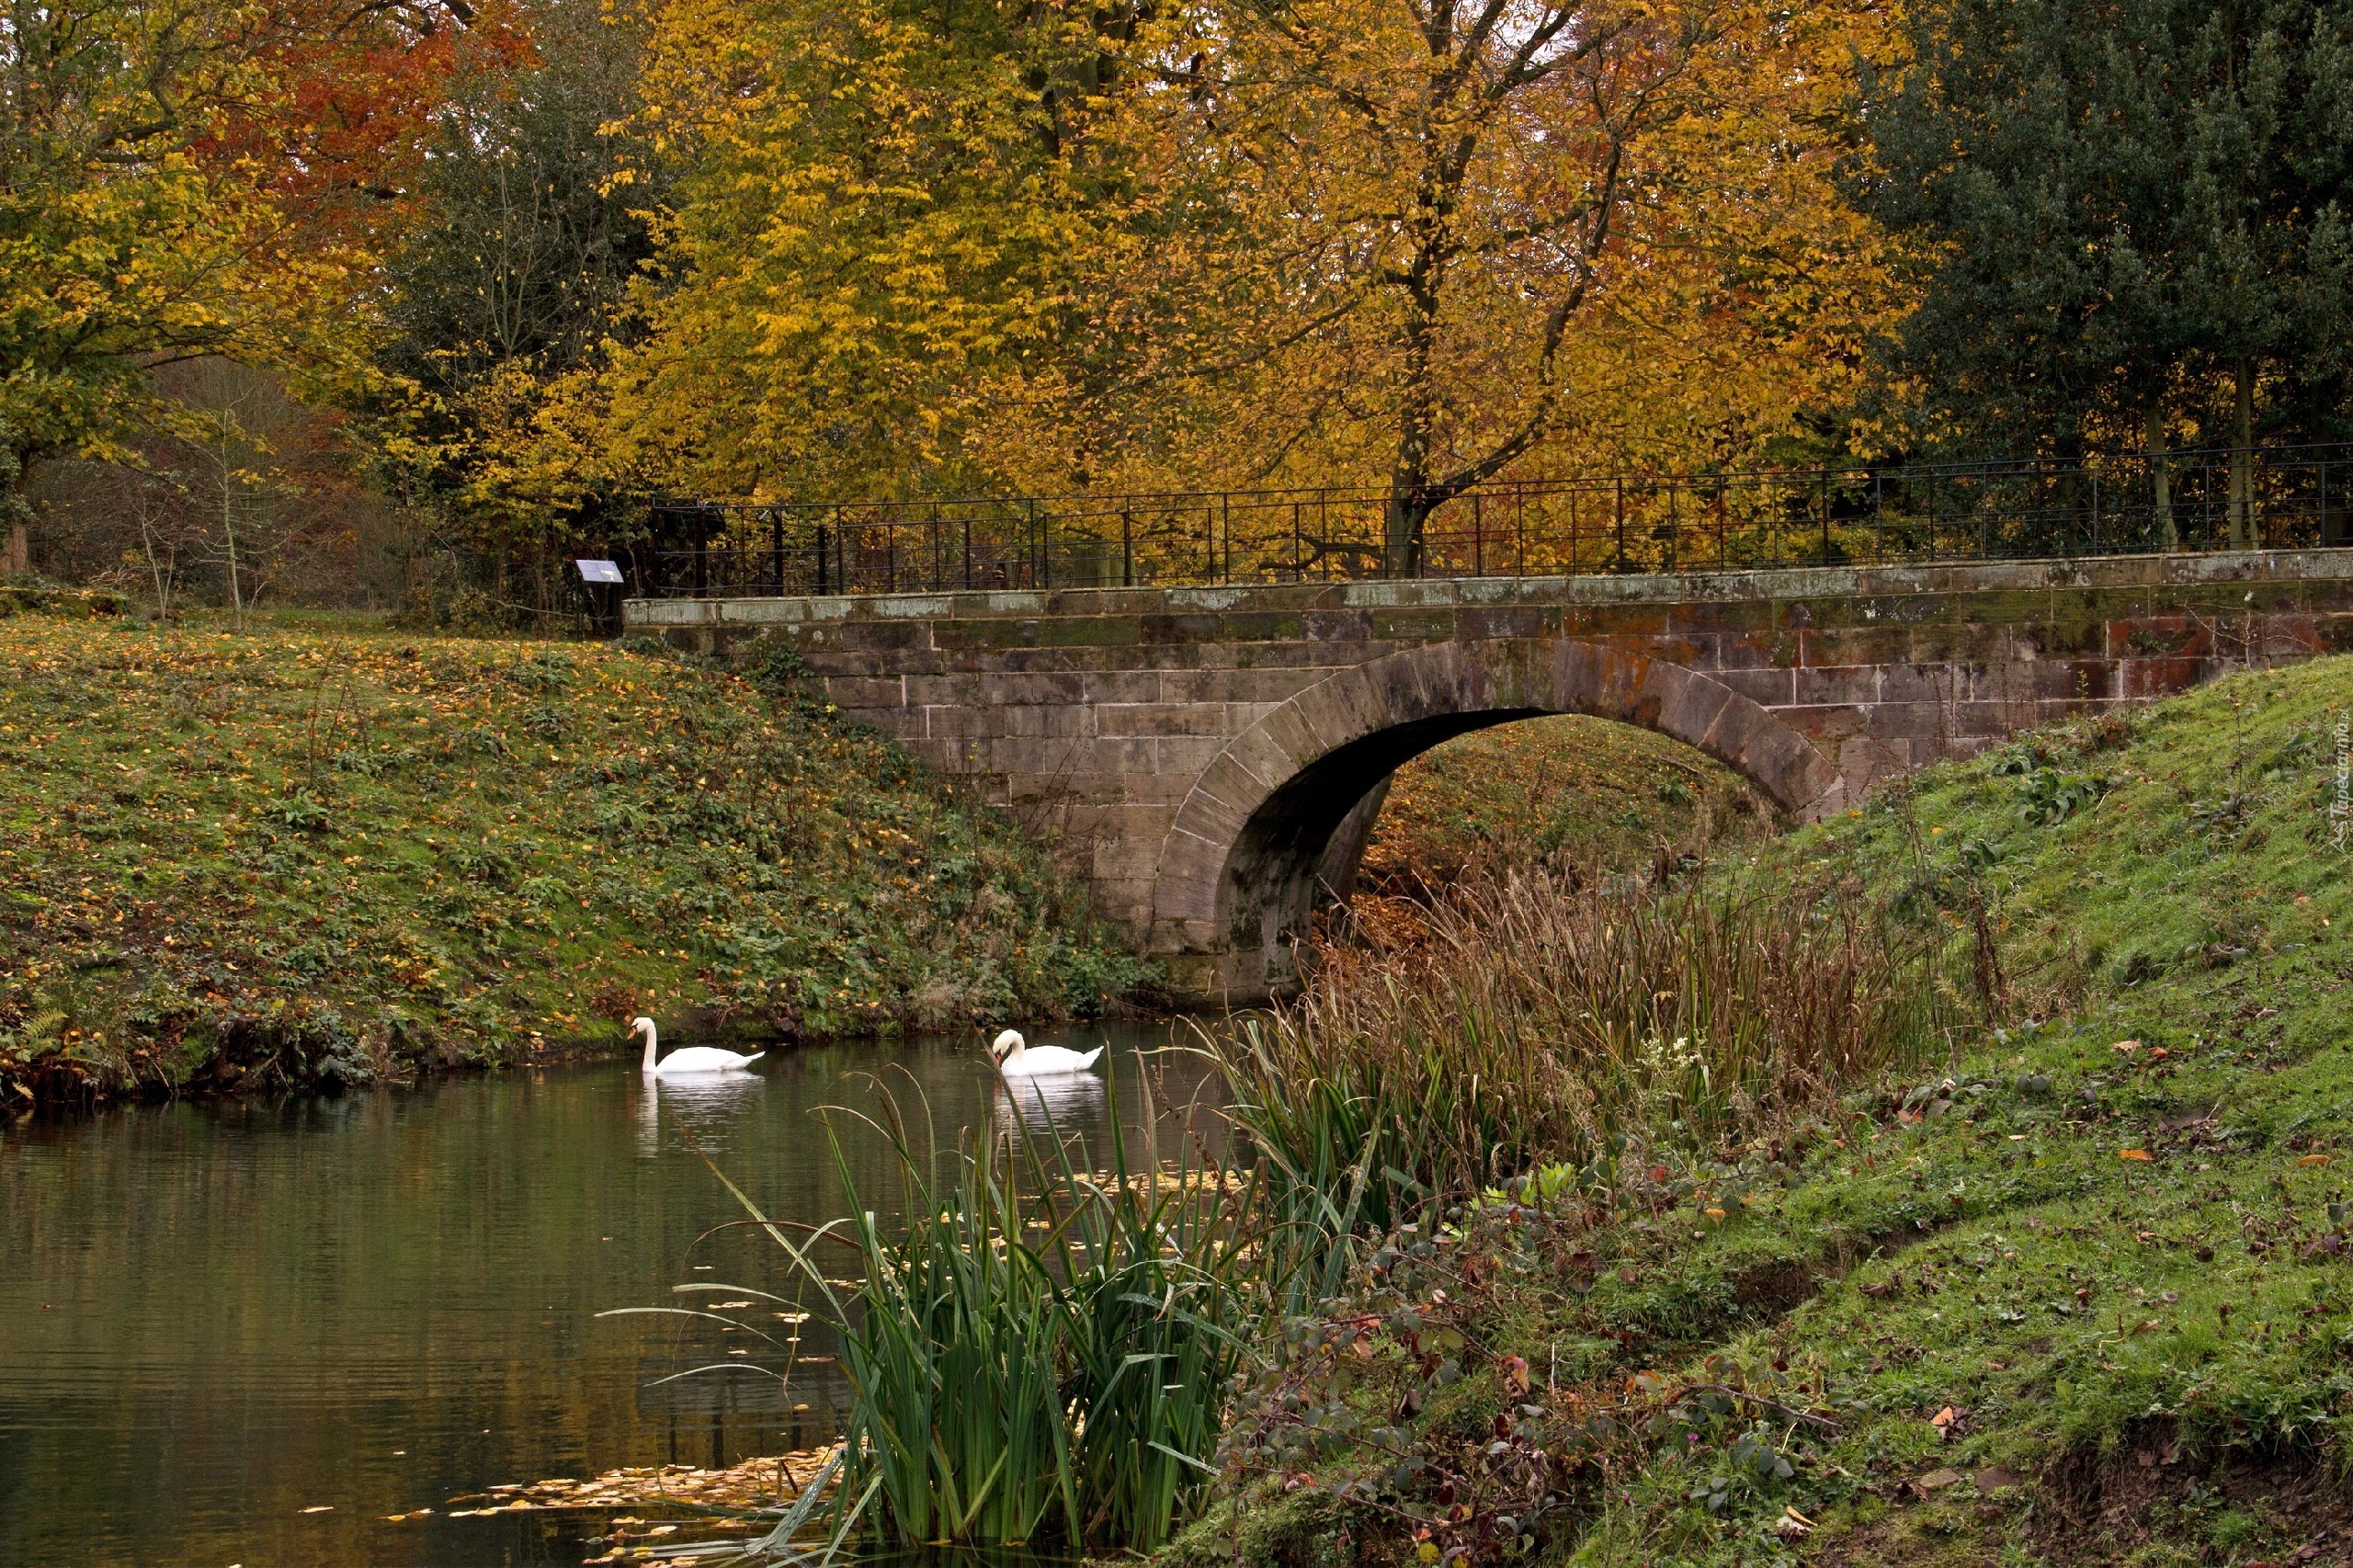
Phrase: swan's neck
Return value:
(649, 1048)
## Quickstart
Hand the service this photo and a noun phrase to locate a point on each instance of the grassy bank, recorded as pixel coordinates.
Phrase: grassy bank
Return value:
(299, 856)
(2058, 1271)
(1569, 790)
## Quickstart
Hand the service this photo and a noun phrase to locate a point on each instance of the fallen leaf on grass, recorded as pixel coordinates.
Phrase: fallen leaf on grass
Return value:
(2133, 1155)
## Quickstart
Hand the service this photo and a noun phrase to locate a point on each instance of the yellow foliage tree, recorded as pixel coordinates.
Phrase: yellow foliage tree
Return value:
(871, 215)
(1440, 243)
(1227, 243)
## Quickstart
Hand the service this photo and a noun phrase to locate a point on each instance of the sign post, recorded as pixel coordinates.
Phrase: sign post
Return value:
(601, 585)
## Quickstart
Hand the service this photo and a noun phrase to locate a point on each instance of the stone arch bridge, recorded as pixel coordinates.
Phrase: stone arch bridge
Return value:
(1215, 756)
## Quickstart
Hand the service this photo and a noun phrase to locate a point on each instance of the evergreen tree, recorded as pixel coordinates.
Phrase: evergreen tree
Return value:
(534, 223)
(2133, 214)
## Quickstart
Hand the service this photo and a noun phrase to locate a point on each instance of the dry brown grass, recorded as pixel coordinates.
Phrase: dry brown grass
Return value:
(1551, 1018)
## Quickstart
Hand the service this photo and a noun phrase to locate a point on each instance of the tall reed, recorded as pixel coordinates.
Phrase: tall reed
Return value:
(1040, 1353)
(1548, 1019)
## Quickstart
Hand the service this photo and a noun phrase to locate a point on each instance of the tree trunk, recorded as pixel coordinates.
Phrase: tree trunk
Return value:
(229, 533)
(16, 551)
(1401, 532)
(1409, 477)
(2243, 462)
(2160, 480)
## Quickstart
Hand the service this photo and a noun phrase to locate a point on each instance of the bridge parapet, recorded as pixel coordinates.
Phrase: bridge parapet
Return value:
(1213, 757)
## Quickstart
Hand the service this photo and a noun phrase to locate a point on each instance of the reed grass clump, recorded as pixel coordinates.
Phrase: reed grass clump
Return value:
(1041, 1352)
(1549, 1020)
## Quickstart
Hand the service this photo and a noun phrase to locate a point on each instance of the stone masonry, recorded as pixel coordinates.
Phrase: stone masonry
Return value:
(1214, 757)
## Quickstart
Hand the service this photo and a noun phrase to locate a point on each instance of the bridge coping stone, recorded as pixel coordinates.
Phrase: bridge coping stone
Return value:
(1764, 584)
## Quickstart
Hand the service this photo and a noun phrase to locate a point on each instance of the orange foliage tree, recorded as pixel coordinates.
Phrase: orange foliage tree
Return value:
(188, 178)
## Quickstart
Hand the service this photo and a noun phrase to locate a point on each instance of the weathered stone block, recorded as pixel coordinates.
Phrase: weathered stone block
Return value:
(1771, 688)
(1853, 683)
(1165, 719)
(866, 691)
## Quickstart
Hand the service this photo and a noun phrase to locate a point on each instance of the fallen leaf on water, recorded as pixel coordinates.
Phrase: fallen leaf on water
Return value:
(320, 1508)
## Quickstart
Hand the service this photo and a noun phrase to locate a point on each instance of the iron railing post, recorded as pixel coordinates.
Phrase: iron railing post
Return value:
(1822, 488)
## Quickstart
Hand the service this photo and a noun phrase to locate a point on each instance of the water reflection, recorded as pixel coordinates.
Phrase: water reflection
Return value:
(1063, 1105)
(711, 1110)
(213, 1318)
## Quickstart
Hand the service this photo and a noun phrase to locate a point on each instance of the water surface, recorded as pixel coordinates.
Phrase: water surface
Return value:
(214, 1317)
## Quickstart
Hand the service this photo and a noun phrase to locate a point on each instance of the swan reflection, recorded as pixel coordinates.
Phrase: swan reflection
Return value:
(1066, 1104)
(710, 1106)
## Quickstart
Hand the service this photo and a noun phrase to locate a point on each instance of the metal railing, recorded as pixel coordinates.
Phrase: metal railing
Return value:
(2271, 498)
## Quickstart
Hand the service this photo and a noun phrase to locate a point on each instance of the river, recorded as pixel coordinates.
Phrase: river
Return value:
(243, 1332)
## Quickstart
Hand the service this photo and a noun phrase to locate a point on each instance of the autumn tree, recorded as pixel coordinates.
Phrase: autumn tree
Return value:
(1223, 243)
(181, 178)
(1436, 240)
(870, 208)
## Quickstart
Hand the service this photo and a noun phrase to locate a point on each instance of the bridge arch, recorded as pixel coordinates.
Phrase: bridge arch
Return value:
(1276, 824)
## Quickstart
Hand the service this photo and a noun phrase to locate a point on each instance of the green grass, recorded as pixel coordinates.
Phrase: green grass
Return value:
(298, 855)
(2096, 1247)
(1568, 789)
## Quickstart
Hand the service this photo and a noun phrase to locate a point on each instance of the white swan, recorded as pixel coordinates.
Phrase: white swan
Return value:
(694, 1059)
(1016, 1058)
